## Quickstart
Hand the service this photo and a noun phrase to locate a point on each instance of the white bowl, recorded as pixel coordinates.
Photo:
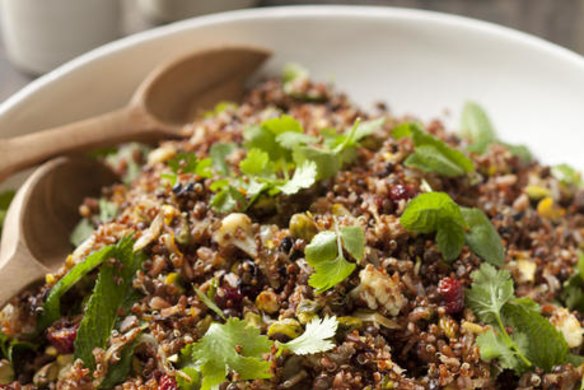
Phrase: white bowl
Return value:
(420, 62)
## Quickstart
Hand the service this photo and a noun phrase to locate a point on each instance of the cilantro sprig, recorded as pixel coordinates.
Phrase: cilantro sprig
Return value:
(282, 159)
(431, 154)
(238, 347)
(454, 226)
(533, 342)
(186, 162)
(325, 254)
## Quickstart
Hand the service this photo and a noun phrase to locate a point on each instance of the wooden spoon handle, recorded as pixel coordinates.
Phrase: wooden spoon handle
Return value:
(18, 270)
(104, 130)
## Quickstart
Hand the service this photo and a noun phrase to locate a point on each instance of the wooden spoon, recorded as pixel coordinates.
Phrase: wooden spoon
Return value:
(35, 239)
(162, 104)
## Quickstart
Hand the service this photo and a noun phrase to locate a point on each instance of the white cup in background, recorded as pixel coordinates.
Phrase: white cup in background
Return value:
(171, 10)
(40, 35)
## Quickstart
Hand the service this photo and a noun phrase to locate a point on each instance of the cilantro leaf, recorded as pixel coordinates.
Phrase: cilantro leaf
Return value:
(82, 231)
(292, 139)
(546, 346)
(315, 339)
(233, 346)
(476, 127)
(263, 137)
(52, 307)
(327, 162)
(283, 124)
(256, 163)
(490, 291)
(534, 340)
(494, 347)
(436, 212)
(107, 210)
(431, 154)
(304, 177)
(219, 153)
(292, 72)
(325, 255)
(482, 237)
(228, 198)
(109, 293)
(185, 162)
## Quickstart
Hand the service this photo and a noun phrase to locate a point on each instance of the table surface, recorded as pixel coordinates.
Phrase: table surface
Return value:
(559, 21)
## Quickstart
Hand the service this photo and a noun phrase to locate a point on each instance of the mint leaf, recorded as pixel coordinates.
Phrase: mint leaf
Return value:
(431, 154)
(52, 307)
(428, 158)
(315, 339)
(114, 284)
(118, 372)
(482, 237)
(476, 127)
(233, 346)
(436, 212)
(450, 240)
(304, 177)
(546, 346)
(219, 153)
(325, 255)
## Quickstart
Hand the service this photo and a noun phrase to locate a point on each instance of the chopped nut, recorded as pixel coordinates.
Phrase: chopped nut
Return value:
(267, 301)
(568, 324)
(379, 290)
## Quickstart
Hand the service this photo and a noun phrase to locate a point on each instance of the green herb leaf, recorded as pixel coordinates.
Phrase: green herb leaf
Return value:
(113, 285)
(315, 339)
(219, 153)
(431, 154)
(327, 162)
(283, 124)
(494, 347)
(476, 127)
(291, 140)
(118, 372)
(521, 151)
(482, 237)
(436, 212)
(567, 175)
(491, 289)
(52, 307)
(304, 177)
(227, 199)
(185, 162)
(209, 303)
(325, 255)
(573, 289)
(233, 346)
(82, 231)
(545, 346)
(293, 72)
(220, 107)
(256, 163)
(107, 210)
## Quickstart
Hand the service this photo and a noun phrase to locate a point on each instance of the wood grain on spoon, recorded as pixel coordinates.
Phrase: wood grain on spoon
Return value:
(164, 102)
(35, 238)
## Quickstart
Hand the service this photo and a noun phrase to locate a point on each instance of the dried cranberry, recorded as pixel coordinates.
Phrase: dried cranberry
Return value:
(167, 383)
(228, 297)
(401, 192)
(452, 293)
(62, 336)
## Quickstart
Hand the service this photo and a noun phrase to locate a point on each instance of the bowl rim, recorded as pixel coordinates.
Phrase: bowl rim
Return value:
(295, 11)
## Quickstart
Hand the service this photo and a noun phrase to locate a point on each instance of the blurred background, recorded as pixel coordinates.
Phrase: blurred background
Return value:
(38, 35)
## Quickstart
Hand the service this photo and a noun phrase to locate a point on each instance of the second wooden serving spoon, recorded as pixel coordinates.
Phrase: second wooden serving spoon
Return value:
(35, 239)
(166, 100)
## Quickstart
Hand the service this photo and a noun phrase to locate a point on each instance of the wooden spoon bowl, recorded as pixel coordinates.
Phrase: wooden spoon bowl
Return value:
(35, 239)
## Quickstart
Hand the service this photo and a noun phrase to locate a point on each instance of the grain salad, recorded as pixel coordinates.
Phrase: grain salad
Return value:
(295, 241)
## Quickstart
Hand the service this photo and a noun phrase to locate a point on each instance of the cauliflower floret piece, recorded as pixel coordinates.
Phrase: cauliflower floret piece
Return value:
(568, 324)
(380, 291)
